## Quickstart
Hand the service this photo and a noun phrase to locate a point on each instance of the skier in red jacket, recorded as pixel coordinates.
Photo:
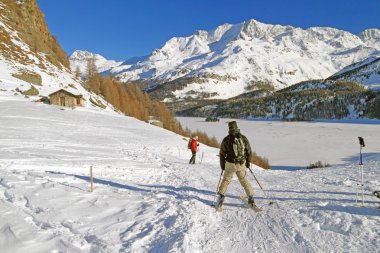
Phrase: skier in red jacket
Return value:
(193, 147)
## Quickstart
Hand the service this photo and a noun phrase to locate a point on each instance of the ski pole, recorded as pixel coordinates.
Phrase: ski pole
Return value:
(357, 185)
(271, 202)
(360, 171)
(362, 187)
(217, 188)
(201, 157)
(256, 180)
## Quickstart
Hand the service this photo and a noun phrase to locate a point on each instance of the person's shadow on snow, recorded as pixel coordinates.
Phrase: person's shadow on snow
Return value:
(181, 193)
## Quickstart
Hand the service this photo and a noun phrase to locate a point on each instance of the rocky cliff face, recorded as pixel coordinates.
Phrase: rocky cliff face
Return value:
(23, 22)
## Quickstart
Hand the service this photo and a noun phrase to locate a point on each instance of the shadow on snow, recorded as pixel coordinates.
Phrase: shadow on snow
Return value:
(180, 193)
(208, 197)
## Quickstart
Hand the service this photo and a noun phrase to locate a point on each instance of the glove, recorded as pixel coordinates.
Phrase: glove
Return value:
(222, 163)
(247, 164)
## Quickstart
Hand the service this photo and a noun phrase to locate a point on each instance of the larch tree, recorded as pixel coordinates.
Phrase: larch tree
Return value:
(77, 73)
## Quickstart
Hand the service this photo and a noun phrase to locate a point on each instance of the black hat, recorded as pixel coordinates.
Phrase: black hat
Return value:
(233, 128)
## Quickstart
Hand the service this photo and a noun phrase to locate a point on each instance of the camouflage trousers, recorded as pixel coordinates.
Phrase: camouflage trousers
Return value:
(241, 172)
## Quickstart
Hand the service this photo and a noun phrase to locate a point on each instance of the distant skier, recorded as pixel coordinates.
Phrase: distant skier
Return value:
(193, 146)
(235, 156)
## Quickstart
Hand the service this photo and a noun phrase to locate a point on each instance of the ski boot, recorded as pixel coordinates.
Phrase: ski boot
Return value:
(251, 204)
(219, 202)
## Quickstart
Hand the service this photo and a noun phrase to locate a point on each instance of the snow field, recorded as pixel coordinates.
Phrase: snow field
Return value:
(294, 145)
(148, 199)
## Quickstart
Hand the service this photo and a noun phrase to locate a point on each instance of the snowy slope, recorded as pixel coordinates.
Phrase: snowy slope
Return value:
(229, 58)
(366, 72)
(79, 59)
(148, 199)
(26, 60)
(52, 81)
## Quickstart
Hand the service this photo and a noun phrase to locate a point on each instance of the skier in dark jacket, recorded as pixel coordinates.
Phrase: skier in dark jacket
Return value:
(193, 147)
(235, 156)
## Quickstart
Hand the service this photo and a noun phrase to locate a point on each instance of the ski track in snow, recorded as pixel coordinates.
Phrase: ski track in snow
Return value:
(148, 199)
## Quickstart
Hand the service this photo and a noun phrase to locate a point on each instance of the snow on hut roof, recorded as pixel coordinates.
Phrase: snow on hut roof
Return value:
(73, 92)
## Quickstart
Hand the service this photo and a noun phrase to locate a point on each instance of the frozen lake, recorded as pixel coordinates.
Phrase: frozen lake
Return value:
(290, 145)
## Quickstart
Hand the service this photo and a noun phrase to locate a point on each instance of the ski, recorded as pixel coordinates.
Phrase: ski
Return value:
(242, 199)
(245, 201)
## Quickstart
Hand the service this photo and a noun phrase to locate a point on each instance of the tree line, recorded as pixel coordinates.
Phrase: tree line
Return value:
(132, 101)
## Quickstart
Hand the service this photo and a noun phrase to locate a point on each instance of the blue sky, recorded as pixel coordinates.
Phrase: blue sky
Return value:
(120, 29)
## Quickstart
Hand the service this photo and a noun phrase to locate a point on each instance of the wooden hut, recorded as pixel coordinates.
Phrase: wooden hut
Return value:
(65, 98)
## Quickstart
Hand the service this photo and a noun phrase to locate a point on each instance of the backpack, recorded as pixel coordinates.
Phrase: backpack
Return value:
(239, 150)
(189, 143)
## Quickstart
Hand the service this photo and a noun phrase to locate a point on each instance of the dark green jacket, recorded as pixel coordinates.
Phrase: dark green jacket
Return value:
(226, 152)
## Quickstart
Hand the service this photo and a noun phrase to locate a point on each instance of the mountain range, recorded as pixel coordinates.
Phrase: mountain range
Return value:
(208, 69)
(233, 59)
(78, 60)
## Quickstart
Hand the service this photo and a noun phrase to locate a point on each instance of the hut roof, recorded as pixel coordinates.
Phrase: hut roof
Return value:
(73, 93)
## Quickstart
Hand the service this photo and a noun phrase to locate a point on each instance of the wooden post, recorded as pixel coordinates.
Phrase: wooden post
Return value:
(92, 179)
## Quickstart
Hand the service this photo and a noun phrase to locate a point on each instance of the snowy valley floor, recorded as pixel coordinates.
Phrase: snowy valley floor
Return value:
(294, 145)
(148, 199)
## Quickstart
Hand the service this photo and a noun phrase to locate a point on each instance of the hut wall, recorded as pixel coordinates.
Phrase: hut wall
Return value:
(63, 99)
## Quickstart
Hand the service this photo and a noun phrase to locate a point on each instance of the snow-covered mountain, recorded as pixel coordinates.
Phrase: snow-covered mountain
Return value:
(79, 59)
(36, 67)
(230, 59)
(366, 72)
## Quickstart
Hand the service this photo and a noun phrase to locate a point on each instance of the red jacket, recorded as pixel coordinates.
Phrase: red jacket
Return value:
(194, 145)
